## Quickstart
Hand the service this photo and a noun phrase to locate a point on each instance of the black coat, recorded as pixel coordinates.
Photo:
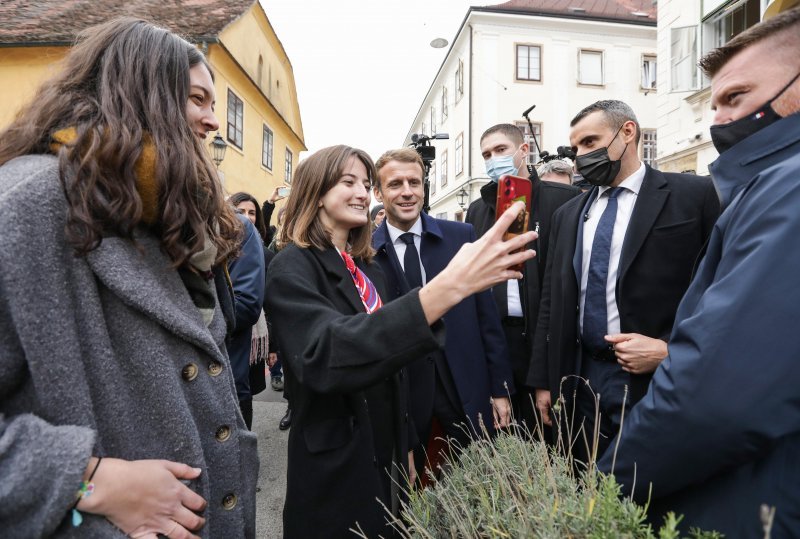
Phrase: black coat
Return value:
(336, 359)
(671, 221)
(546, 197)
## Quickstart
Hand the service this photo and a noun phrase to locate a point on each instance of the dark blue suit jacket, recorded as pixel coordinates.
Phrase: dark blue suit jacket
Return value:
(475, 345)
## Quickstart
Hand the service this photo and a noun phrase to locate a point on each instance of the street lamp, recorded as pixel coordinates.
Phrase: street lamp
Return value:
(463, 198)
(218, 147)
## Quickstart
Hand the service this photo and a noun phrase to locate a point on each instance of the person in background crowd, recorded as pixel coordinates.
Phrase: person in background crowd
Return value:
(718, 433)
(343, 347)
(259, 354)
(121, 418)
(268, 208)
(466, 386)
(504, 149)
(377, 215)
(622, 258)
(557, 171)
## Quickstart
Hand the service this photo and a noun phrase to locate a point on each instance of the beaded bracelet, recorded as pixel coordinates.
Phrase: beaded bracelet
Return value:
(87, 487)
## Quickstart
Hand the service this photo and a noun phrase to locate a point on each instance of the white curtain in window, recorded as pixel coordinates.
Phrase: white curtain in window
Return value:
(683, 58)
(591, 67)
(649, 72)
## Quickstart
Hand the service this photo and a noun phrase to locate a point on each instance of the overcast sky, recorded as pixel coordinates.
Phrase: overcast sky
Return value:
(363, 67)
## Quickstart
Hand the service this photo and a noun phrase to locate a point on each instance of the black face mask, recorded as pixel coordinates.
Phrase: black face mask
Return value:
(597, 168)
(725, 136)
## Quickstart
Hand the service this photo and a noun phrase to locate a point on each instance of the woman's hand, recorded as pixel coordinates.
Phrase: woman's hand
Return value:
(144, 498)
(477, 266)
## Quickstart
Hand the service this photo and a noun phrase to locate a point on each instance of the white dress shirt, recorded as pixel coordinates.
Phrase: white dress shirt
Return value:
(400, 246)
(626, 200)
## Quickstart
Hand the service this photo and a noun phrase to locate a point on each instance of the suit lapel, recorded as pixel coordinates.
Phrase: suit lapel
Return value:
(395, 277)
(651, 199)
(430, 251)
(573, 228)
(144, 280)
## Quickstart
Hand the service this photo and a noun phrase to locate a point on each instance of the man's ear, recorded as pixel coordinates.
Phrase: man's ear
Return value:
(377, 192)
(629, 131)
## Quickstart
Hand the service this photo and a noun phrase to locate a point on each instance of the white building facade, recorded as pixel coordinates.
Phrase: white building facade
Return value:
(687, 29)
(506, 58)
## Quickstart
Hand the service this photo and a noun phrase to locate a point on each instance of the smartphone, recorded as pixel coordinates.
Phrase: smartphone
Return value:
(283, 191)
(511, 189)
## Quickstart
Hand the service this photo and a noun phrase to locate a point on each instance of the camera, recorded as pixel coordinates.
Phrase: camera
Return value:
(422, 144)
(562, 152)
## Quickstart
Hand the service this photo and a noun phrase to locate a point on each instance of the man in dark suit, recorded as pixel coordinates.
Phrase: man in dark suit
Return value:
(504, 149)
(467, 383)
(621, 259)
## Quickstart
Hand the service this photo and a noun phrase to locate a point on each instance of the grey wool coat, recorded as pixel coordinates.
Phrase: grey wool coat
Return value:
(105, 355)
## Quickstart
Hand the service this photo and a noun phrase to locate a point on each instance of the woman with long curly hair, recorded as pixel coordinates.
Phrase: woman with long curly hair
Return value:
(117, 405)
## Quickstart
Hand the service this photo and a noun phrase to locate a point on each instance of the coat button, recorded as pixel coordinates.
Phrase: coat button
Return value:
(214, 368)
(223, 433)
(406, 417)
(229, 501)
(189, 372)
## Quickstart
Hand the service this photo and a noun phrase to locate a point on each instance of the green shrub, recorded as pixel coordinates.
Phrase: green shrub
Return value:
(513, 488)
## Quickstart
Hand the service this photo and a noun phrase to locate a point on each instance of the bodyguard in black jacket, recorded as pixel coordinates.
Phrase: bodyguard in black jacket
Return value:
(504, 150)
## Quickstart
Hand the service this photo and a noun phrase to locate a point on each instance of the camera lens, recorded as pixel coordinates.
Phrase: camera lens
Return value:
(508, 192)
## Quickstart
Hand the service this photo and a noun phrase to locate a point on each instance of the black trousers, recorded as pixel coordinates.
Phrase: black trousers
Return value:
(451, 418)
(523, 400)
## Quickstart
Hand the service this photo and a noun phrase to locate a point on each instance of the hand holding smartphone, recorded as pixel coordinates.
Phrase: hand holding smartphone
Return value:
(512, 189)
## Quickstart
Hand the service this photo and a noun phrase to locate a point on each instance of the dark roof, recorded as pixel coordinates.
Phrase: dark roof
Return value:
(59, 21)
(627, 11)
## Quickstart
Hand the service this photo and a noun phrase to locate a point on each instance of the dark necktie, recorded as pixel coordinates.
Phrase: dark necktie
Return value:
(411, 261)
(595, 307)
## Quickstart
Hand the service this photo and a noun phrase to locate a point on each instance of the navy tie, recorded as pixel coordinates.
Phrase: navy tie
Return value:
(411, 261)
(595, 309)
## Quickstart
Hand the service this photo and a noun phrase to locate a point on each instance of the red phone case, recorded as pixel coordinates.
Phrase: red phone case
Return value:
(512, 189)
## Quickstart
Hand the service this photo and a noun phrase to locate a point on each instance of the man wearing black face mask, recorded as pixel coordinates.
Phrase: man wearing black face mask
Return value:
(621, 257)
(718, 433)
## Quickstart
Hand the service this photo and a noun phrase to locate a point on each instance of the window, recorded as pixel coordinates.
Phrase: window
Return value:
(529, 62)
(442, 215)
(432, 177)
(433, 121)
(459, 80)
(287, 167)
(649, 147)
(590, 67)
(235, 119)
(533, 156)
(444, 168)
(459, 154)
(731, 22)
(648, 72)
(683, 58)
(444, 103)
(266, 147)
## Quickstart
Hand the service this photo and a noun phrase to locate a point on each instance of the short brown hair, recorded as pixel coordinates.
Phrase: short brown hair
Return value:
(510, 130)
(314, 177)
(403, 155)
(784, 27)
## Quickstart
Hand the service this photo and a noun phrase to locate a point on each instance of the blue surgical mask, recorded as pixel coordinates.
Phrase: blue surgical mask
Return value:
(501, 165)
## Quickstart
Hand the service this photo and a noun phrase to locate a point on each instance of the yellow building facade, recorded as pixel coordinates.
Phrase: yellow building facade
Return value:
(257, 106)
